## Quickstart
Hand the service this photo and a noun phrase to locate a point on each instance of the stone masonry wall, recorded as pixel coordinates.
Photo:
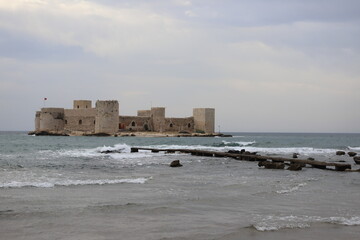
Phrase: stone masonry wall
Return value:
(179, 124)
(132, 123)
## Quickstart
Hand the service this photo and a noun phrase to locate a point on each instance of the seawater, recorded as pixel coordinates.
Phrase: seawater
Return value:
(66, 188)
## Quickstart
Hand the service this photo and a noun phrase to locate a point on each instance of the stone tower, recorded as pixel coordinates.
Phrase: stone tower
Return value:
(80, 104)
(107, 117)
(204, 119)
(158, 118)
(37, 120)
(51, 119)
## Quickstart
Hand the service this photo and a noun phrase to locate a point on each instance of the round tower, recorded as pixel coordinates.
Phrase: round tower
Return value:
(107, 117)
(80, 104)
(51, 119)
(37, 121)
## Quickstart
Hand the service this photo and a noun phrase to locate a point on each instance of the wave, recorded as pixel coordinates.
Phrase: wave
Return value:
(118, 151)
(354, 148)
(67, 183)
(291, 189)
(240, 144)
(274, 223)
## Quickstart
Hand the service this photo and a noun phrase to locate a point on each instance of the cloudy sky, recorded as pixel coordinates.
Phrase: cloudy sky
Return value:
(264, 65)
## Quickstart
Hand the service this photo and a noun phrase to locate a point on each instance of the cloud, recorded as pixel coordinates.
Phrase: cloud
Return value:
(278, 59)
(95, 28)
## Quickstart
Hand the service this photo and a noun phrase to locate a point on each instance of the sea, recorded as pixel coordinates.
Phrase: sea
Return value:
(69, 188)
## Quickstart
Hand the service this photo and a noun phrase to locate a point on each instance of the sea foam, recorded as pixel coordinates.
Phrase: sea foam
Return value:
(66, 183)
(274, 223)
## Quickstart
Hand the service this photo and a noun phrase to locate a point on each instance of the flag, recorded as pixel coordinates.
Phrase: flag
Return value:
(45, 98)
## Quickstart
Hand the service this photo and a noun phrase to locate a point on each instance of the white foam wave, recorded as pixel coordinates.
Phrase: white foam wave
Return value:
(291, 189)
(241, 144)
(66, 183)
(354, 148)
(118, 151)
(274, 223)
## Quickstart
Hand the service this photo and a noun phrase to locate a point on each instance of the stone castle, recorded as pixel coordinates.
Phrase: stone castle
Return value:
(104, 118)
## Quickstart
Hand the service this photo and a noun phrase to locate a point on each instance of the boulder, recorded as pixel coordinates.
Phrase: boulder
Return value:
(175, 163)
(357, 160)
(352, 154)
(340, 153)
(234, 151)
(295, 167)
(271, 165)
(311, 159)
(295, 155)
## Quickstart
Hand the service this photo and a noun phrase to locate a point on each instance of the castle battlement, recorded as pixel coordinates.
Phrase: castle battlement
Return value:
(105, 118)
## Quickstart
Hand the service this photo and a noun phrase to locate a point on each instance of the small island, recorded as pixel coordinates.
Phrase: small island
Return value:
(104, 120)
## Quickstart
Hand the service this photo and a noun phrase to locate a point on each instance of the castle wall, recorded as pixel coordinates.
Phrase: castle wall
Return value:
(204, 119)
(80, 119)
(179, 124)
(158, 119)
(107, 117)
(51, 119)
(104, 118)
(132, 123)
(80, 104)
(37, 121)
(144, 113)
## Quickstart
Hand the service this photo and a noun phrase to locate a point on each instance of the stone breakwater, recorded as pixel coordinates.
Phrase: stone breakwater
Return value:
(269, 162)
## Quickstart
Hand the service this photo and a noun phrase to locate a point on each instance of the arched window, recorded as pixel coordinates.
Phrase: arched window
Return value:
(171, 125)
(189, 125)
(65, 121)
(133, 124)
(78, 106)
(80, 122)
(146, 127)
(94, 121)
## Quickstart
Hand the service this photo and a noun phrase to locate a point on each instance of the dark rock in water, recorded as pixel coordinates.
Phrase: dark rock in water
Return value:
(242, 151)
(46, 133)
(357, 160)
(175, 163)
(295, 167)
(295, 155)
(234, 151)
(97, 135)
(341, 161)
(271, 165)
(311, 159)
(352, 154)
(340, 153)
(247, 153)
(111, 151)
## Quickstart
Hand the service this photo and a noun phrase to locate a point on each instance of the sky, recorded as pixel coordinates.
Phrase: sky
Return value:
(264, 65)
